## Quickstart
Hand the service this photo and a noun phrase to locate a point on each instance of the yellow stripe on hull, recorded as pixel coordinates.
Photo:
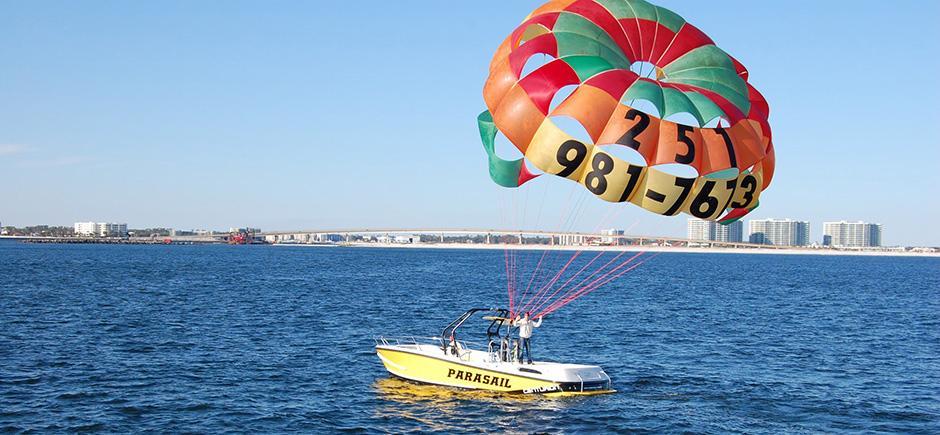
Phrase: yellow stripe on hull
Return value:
(427, 369)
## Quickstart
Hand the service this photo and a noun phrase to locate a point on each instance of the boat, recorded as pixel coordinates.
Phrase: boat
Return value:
(495, 366)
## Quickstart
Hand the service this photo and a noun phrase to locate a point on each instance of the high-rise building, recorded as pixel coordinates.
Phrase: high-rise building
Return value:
(779, 232)
(851, 234)
(714, 231)
(733, 232)
(698, 230)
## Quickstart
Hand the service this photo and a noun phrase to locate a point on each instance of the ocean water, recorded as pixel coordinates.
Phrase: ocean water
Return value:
(273, 339)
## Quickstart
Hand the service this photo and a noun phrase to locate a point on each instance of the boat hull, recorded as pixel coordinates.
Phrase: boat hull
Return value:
(506, 378)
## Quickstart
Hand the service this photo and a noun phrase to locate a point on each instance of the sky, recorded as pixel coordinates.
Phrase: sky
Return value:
(328, 115)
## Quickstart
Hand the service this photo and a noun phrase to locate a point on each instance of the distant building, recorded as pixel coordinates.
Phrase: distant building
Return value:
(851, 234)
(779, 232)
(733, 232)
(612, 240)
(715, 232)
(697, 230)
(244, 230)
(100, 229)
(406, 239)
(328, 238)
(571, 239)
(86, 228)
(111, 230)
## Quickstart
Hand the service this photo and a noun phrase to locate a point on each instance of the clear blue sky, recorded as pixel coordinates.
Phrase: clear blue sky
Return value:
(290, 115)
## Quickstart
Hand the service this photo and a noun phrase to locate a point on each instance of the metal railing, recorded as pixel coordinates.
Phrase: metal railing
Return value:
(408, 340)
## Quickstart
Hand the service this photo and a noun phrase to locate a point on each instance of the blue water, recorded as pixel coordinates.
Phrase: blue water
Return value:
(271, 339)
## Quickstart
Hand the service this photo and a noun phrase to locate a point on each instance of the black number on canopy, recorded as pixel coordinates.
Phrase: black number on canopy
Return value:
(682, 133)
(749, 182)
(571, 164)
(684, 183)
(629, 138)
(704, 198)
(601, 165)
(729, 145)
(634, 172)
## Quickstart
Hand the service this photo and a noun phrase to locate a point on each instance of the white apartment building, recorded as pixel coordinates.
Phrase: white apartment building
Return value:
(851, 234)
(100, 229)
(86, 228)
(779, 232)
(715, 232)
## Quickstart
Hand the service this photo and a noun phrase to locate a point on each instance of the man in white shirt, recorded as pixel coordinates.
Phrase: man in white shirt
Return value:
(525, 326)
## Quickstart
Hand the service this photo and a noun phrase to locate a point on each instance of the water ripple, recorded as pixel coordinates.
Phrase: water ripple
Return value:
(262, 339)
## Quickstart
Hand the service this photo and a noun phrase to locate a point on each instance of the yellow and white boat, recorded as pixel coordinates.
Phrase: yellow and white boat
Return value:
(445, 360)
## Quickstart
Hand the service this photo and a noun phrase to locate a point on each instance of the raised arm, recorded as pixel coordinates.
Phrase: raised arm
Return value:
(538, 322)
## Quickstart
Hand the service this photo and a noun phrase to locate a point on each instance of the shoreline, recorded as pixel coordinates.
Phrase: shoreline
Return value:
(515, 247)
(658, 249)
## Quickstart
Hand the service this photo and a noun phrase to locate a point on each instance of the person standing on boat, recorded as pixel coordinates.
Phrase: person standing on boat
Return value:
(525, 325)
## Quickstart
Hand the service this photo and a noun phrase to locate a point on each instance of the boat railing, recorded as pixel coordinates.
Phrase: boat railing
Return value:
(405, 340)
(410, 340)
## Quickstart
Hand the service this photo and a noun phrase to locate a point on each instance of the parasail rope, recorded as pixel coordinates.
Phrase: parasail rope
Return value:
(574, 215)
(538, 219)
(586, 291)
(537, 300)
(565, 221)
(581, 284)
(553, 280)
(609, 216)
(503, 210)
(593, 286)
(551, 300)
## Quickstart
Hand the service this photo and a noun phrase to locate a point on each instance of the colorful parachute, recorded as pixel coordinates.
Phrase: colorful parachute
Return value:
(593, 45)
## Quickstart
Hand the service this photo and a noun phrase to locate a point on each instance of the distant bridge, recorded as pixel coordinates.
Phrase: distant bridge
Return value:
(492, 236)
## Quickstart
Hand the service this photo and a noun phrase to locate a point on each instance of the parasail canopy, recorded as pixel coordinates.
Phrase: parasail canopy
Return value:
(643, 79)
